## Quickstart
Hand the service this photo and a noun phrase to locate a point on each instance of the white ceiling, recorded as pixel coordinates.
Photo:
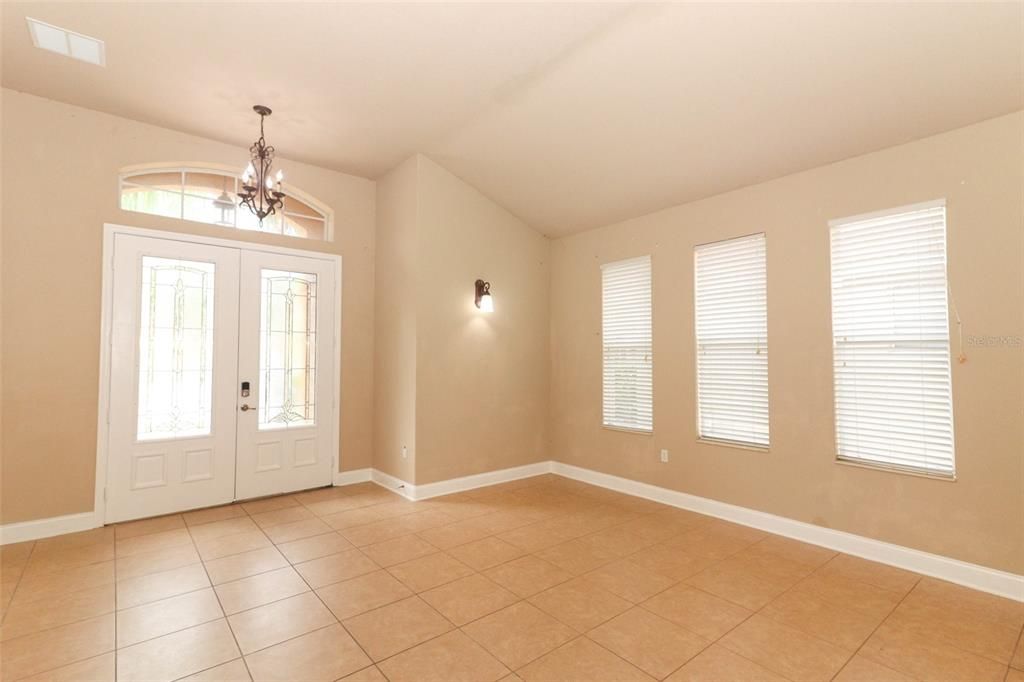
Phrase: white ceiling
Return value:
(572, 115)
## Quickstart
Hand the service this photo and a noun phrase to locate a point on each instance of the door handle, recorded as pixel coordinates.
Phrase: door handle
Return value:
(246, 408)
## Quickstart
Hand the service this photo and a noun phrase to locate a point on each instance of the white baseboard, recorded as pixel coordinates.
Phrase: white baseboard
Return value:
(970, 575)
(395, 485)
(456, 485)
(974, 576)
(354, 476)
(45, 528)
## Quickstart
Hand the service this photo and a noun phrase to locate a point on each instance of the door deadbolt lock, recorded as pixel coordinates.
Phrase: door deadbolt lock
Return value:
(245, 389)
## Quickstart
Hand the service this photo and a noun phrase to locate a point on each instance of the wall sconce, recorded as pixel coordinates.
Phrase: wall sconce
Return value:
(483, 296)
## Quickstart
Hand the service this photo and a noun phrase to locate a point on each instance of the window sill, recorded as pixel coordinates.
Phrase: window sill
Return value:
(948, 478)
(733, 444)
(624, 429)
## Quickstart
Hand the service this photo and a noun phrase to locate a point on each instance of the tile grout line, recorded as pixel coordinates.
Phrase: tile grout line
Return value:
(526, 599)
(223, 616)
(17, 582)
(212, 587)
(522, 600)
(784, 592)
(551, 517)
(1018, 646)
(114, 613)
(596, 503)
(187, 528)
(454, 628)
(70, 622)
(957, 646)
(853, 579)
(80, 620)
(633, 605)
(619, 656)
(554, 514)
(875, 629)
(242, 656)
(753, 612)
(711, 642)
(460, 628)
(333, 615)
(219, 603)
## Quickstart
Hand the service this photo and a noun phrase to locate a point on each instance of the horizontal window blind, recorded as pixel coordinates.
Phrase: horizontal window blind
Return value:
(731, 309)
(626, 340)
(890, 328)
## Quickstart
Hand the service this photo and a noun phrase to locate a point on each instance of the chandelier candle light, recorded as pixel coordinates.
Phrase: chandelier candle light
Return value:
(258, 186)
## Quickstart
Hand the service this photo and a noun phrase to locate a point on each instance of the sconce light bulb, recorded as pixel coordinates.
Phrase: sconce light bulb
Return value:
(487, 303)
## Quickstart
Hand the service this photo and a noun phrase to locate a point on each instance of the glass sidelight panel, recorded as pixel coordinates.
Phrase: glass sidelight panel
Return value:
(175, 349)
(287, 349)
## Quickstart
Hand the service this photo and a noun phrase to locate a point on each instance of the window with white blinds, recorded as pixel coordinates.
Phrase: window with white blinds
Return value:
(626, 340)
(731, 311)
(890, 329)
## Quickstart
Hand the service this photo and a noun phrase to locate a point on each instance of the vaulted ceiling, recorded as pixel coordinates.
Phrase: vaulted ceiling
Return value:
(571, 115)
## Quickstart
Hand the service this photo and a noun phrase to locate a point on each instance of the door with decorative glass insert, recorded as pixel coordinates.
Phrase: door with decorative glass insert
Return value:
(174, 340)
(285, 354)
(221, 375)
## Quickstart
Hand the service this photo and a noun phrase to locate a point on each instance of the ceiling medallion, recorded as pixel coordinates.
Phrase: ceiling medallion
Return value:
(261, 192)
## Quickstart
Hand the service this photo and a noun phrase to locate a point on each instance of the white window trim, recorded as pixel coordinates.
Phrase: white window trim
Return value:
(127, 172)
(880, 466)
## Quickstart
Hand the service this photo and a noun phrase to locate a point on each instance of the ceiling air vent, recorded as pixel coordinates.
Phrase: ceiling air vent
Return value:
(68, 43)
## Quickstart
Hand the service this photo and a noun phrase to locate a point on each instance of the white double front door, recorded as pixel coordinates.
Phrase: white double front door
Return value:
(222, 371)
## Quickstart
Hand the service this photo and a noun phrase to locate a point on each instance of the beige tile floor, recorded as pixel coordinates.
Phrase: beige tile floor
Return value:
(540, 579)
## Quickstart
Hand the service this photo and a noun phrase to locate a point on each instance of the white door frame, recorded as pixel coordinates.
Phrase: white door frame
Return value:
(106, 321)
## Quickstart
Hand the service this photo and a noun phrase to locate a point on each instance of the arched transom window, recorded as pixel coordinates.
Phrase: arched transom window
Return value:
(208, 195)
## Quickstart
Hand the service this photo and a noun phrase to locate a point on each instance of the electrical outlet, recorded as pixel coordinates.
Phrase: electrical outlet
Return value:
(664, 455)
(405, 452)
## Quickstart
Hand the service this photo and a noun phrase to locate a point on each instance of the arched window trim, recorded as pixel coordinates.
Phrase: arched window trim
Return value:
(127, 172)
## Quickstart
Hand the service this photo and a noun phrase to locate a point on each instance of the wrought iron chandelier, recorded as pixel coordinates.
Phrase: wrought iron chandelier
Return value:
(261, 192)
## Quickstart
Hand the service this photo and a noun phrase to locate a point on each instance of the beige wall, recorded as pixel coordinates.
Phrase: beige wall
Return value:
(396, 293)
(59, 175)
(979, 517)
(474, 395)
(482, 379)
(467, 392)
